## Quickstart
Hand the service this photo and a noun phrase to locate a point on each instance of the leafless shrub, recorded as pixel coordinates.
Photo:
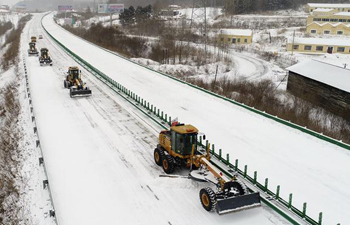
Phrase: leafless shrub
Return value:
(264, 96)
(10, 158)
(4, 27)
(13, 40)
(111, 38)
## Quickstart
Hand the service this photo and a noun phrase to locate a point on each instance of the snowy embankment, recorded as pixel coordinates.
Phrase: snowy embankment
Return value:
(23, 200)
(298, 162)
(99, 155)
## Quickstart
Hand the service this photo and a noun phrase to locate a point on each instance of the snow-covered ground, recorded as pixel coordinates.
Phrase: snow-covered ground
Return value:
(99, 155)
(300, 163)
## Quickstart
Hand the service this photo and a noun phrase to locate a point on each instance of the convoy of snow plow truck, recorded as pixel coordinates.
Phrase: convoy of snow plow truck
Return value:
(72, 79)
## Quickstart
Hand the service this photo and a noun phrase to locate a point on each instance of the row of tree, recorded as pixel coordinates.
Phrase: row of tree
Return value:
(248, 6)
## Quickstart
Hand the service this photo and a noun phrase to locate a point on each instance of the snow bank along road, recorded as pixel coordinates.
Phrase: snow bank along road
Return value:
(99, 156)
(315, 171)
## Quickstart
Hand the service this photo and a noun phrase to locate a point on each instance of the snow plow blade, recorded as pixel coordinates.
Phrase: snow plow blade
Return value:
(238, 203)
(80, 93)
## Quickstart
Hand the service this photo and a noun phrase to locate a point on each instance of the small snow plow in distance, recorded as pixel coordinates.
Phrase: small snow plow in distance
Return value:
(32, 49)
(33, 39)
(74, 82)
(178, 147)
(45, 57)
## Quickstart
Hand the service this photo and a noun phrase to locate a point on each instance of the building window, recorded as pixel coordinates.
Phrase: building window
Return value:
(334, 20)
(341, 49)
(326, 32)
(307, 47)
(313, 31)
(319, 48)
(340, 32)
(295, 47)
(326, 20)
(245, 40)
(238, 40)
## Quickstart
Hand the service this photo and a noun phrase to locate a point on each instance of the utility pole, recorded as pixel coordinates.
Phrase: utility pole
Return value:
(199, 21)
(293, 42)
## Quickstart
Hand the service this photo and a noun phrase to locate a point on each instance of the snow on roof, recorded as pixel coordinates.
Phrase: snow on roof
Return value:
(342, 14)
(321, 5)
(320, 41)
(329, 74)
(4, 11)
(323, 10)
(238, 32)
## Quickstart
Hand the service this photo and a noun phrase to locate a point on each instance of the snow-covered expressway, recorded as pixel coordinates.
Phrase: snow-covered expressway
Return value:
(99, 155)
(308, 167)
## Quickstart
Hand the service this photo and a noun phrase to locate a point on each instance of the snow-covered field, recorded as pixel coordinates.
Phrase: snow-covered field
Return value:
(301, 164)
(99, 155)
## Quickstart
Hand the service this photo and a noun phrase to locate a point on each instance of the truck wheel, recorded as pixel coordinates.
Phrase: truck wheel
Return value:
(168, 164)
(158, 156)
(208, 199)
(237, 186)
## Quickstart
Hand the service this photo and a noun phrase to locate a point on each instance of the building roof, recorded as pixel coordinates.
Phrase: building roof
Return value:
(329, 74)
(238, 32)
(320, 41)
(321, 5)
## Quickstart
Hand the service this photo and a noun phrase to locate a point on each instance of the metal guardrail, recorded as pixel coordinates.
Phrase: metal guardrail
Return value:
(273, 200)
(52, 213)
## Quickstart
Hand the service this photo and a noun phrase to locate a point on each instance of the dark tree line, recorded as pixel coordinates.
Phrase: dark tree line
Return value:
(132, 15)
(248, 6)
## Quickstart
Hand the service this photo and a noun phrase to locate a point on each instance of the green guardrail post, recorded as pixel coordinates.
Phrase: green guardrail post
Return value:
(304, 209)
(278, 192)
(220, 153)
(213, 148)
(255, 176)
(290, 200)
(245, 171)
(266, 184)
(162, 115)
(147, 105)
(236, 165)
(200, 140)
(158, 112)
(169, 120)
(155, 110)
(320, 216)
(166, 117)
(206, 145)
(141, 101)
(228, 158)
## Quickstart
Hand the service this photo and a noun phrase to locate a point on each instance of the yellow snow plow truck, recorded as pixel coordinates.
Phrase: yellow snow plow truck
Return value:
(32, 49)
(178, 148)
(33, 39)
(74, 82)
(45, 57)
